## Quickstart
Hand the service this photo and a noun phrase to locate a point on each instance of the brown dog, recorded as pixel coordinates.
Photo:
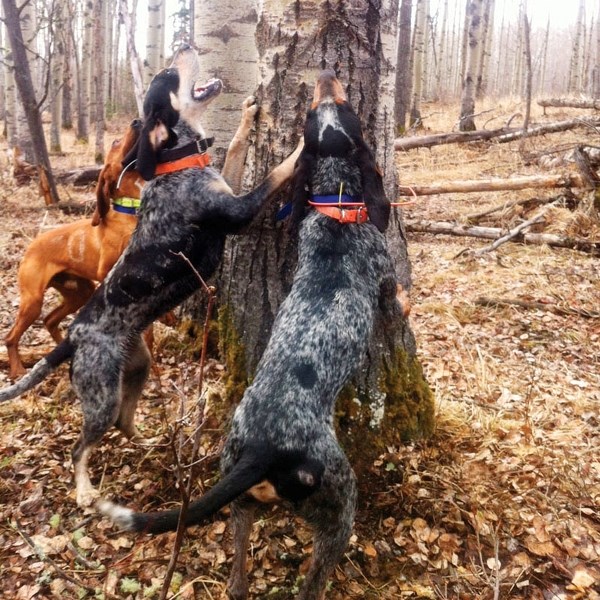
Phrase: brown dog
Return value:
(72, 257)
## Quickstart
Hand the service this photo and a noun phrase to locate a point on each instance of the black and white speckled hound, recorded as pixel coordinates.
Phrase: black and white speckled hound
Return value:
(185, 212)
(282, 443)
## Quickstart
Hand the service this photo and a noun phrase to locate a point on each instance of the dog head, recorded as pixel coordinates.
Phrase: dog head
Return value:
(130, 183)
(173, 106)
(333, 130)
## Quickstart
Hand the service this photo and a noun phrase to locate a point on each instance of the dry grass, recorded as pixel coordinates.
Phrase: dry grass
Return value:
(501, 503)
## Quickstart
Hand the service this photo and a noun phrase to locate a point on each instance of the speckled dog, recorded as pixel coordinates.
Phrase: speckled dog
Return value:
(186, 211)
(282, 444)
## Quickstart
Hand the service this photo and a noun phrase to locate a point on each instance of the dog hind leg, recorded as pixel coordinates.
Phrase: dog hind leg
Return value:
(95, 378)
(135, 374)
(331, 516)
(242, 518)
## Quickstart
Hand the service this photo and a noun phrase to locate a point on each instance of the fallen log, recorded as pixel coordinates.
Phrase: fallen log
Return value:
(569, 103)
(79, 177)
(493, 185)
(493, 233)
(504, 134)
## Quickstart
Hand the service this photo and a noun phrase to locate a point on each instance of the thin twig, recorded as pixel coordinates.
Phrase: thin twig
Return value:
(186, 491)
(45, 558)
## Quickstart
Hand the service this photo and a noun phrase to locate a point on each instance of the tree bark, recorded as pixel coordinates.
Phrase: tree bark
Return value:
(467, 104)
(85, 75)
(99, 75)
(155, 40)
(27, 95)
(294, 42)
(419, 57)
(403, 67)
(134, 59)
(56, 73)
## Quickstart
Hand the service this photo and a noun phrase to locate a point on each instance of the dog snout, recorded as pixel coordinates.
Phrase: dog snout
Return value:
(328, 88)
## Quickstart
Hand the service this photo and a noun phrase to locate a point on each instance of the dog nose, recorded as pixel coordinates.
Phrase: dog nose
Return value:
(136, 124)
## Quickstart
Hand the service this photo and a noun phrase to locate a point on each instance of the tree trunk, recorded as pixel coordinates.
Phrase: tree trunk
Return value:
(228, 51)
(27, 96)
(85, 75)
(99, 75)
(467, 105)
(487, 34)
(389, 401)
(56, 74)
(155, 40)
(419, 43)
(574, 66)
(2, 75)
(134, 59)
(403, 70)
(11, 96)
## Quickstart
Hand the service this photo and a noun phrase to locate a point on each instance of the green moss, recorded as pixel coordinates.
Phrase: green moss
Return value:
(401, 410)
(233, 354)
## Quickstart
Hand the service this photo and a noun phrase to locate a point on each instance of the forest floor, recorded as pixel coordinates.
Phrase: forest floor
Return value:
(501, 502)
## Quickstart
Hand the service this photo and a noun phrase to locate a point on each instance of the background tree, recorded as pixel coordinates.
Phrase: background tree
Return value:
(419, 59)
(155, 40)
(84, 75)
(294, 42)
(27, 96)
(467, 104)
(57, 68)
(99, 15)
(403, 66)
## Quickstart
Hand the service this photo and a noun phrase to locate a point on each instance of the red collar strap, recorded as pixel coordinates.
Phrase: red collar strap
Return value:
(344, 215)
(198, 161)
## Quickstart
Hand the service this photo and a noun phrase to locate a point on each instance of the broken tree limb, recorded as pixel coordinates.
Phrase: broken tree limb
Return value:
(514, 232)
(493, 185)
(569, 103)
(79, 177)
(525, 202)
(492, 233)
(559, 310)
(504, 134)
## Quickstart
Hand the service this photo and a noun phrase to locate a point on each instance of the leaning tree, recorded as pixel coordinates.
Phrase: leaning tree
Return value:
(277, 51)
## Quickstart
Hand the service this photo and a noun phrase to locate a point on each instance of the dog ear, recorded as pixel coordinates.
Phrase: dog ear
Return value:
(152, 137)
(377, 204)
(103, 195)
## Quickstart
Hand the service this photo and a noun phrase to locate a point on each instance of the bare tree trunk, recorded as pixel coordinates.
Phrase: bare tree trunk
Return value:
(2, 75)
(487, 34)
(85, 75)
(155, 40)
(441, 54)
(228, 52)
(99, 75)
(528, 71)
(294, 42)
(467, 106)
(57, 68)
(27, 96)
(403, 64)
(544, 59)
(419, 43)
(134, 59)
(27, 21)
(574, 67)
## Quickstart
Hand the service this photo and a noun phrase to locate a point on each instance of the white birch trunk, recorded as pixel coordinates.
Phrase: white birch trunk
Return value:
(57, 76)
(467, 107)
(155, 44)
(85, 76)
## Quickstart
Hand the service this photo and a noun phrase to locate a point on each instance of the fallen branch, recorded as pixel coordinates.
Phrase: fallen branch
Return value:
(513, 233)
(525, 202)
(504, 134)
(570, 103)
(559, 310)
(493, 185)
(492, 233)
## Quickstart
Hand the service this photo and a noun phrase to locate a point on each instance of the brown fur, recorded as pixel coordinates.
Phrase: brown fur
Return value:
(72, 257)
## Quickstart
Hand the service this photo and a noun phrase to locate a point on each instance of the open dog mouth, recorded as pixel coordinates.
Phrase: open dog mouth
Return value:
(207, 90)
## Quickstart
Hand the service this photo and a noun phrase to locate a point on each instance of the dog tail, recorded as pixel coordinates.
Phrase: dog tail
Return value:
(39, 372)
(247, 472)
(293, 475)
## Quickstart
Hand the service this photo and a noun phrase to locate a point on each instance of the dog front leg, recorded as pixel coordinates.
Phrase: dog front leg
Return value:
(233, 169)
(242, 517)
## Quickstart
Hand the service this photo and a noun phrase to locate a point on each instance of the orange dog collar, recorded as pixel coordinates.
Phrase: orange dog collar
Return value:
(344, 215)
(188, 162)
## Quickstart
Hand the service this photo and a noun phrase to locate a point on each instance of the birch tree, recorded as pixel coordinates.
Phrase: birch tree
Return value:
(467, 105)
(403, 66)
(99, 15)
(155, 36)
(574, 66)
(84, 87)
(390, 400)
(419, 54)
(57, 68)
